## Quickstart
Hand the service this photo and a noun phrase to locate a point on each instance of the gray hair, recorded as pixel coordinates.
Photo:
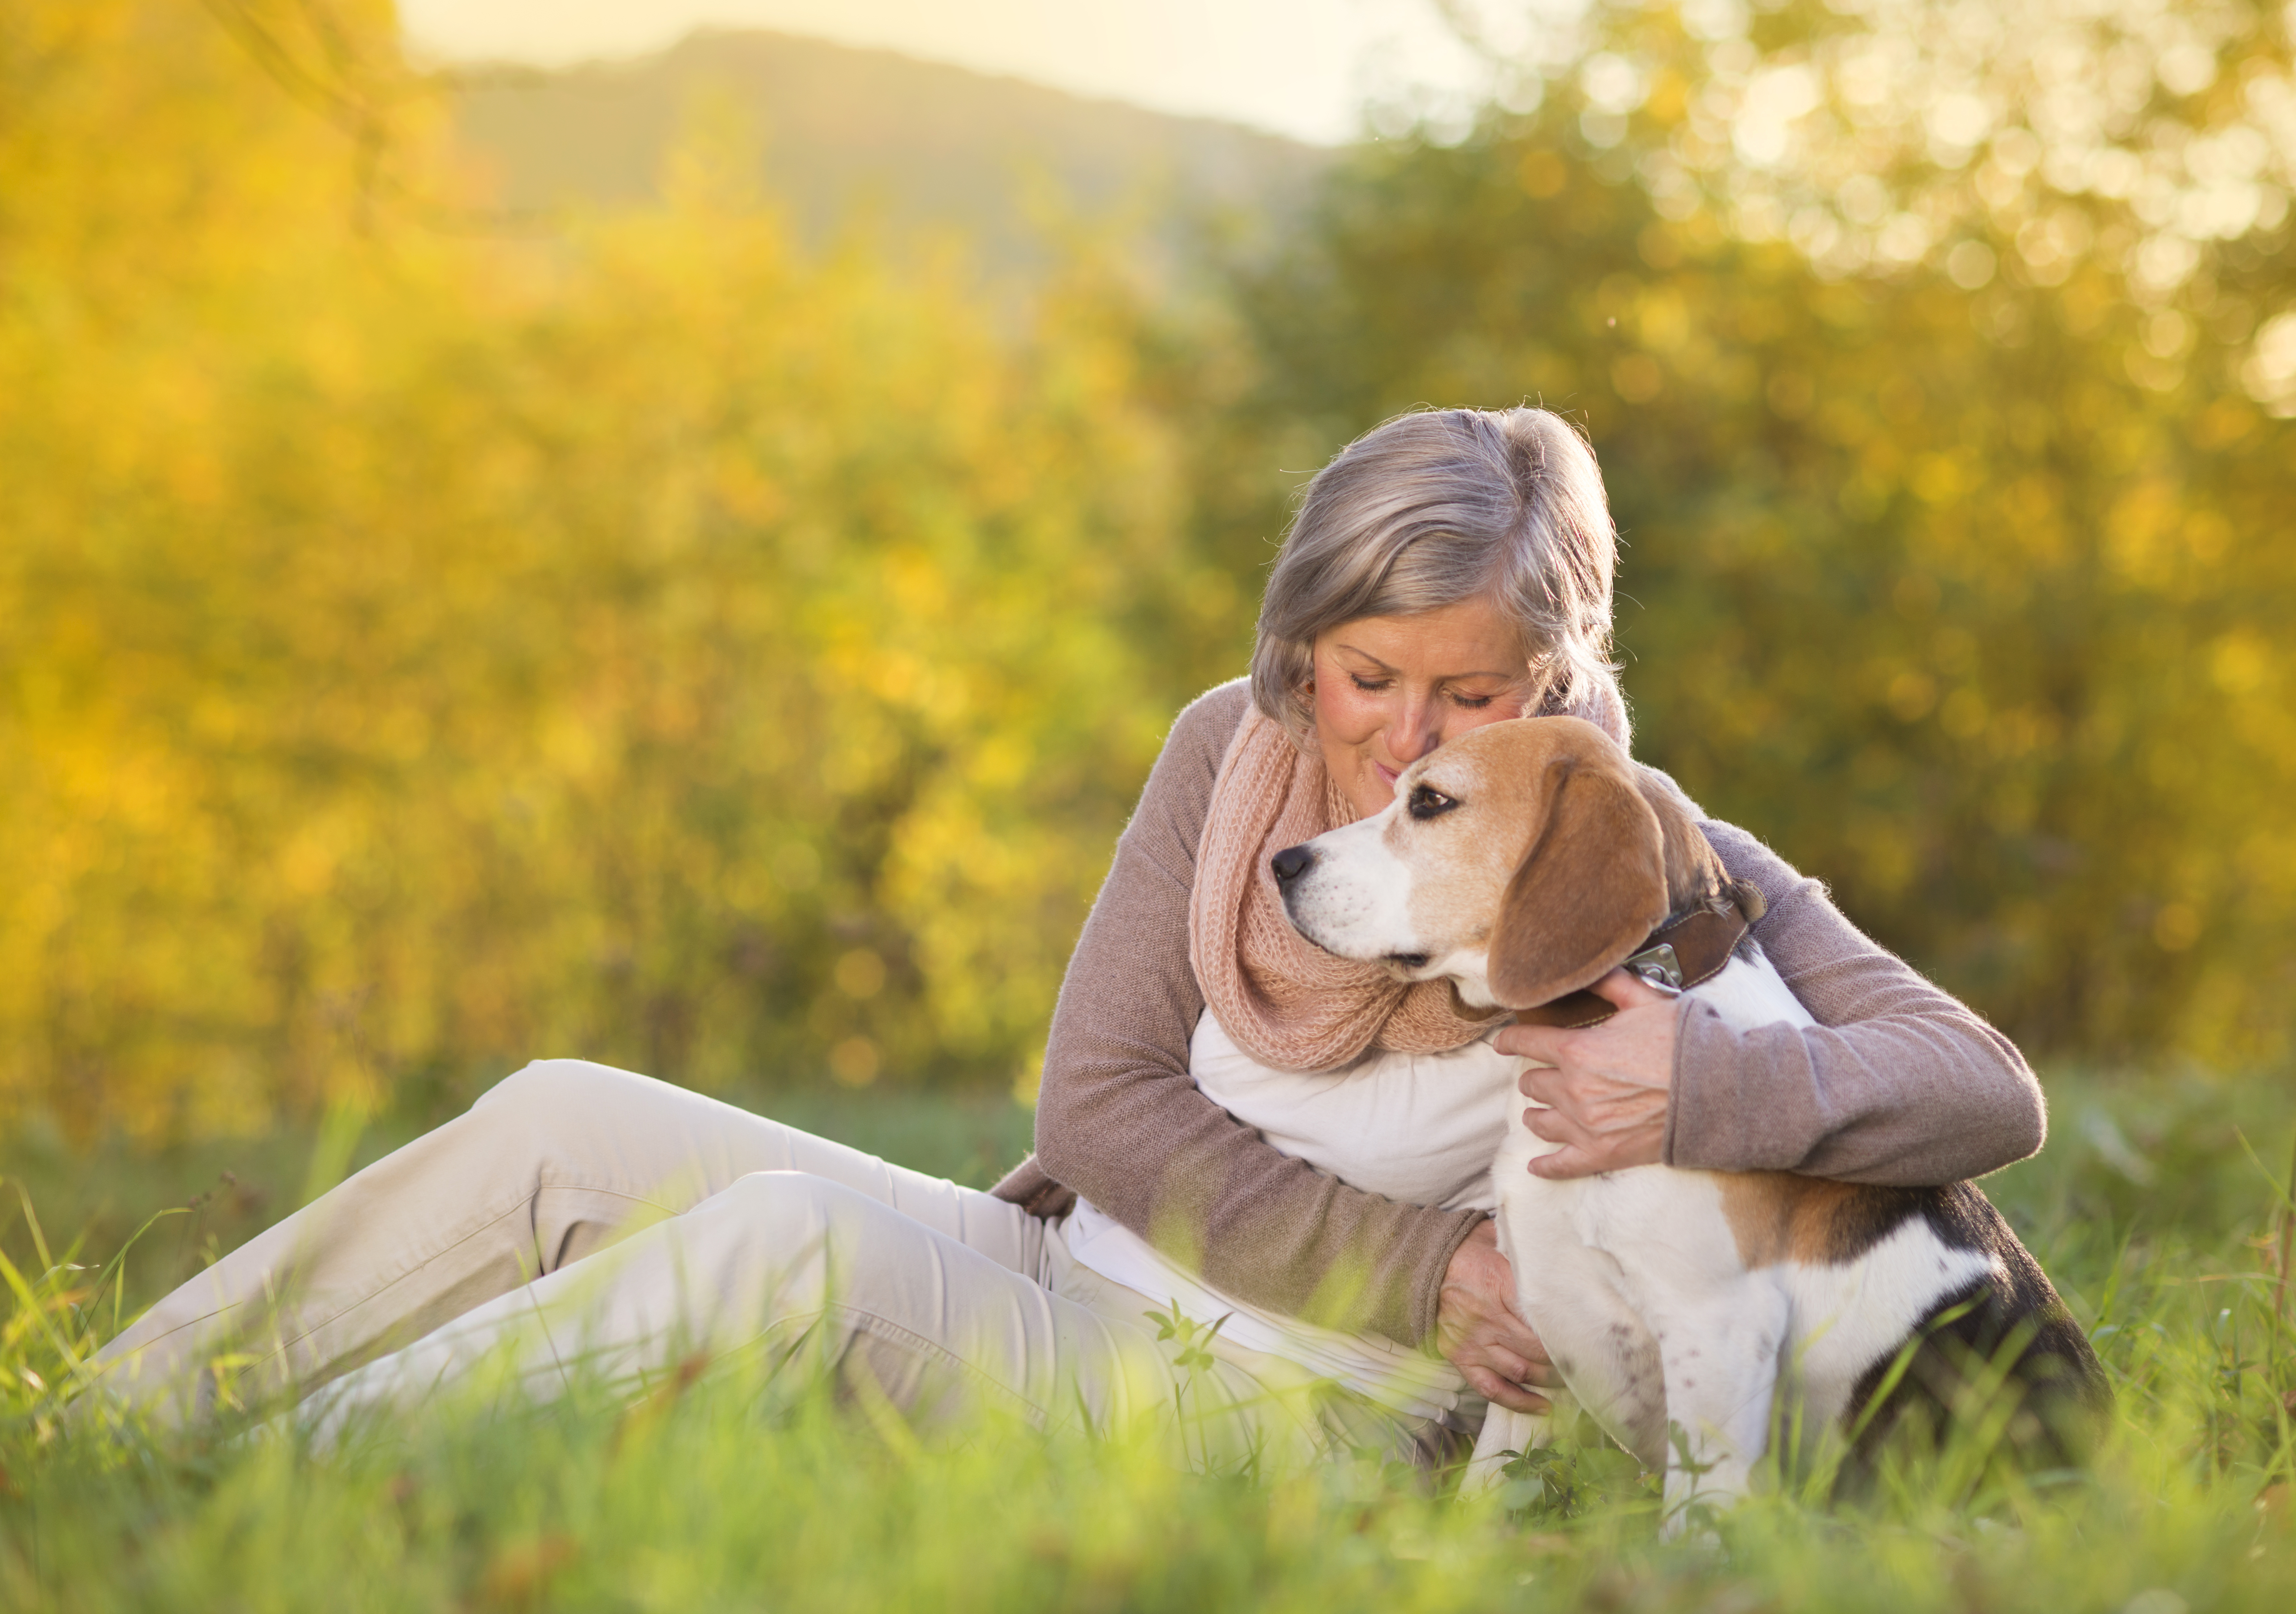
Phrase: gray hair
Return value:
(1440, 505)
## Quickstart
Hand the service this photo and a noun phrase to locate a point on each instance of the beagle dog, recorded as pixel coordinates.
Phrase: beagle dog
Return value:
(1689, 1312)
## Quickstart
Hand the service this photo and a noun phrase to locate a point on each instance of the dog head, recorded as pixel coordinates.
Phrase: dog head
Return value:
(1521, 861)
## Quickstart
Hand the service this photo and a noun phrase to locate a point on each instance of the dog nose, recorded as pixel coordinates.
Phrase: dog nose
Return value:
(1291, 863)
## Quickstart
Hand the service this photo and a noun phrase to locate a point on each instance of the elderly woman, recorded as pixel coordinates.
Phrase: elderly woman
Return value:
(1232, 1125)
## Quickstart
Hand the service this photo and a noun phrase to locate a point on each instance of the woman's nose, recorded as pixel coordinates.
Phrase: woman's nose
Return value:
(1414, 737)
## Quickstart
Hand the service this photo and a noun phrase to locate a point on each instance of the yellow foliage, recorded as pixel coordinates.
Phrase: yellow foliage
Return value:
(655, 644)
(1954, 482)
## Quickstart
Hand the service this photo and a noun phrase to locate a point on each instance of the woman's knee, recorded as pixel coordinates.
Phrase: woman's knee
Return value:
(784, 1205)
(774, 1191)
(551, 1088)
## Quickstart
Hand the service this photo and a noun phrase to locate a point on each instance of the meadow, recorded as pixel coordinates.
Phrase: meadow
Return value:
(2155, 1207)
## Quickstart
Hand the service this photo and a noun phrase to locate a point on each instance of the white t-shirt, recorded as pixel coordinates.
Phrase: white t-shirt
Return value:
(1420, 1128)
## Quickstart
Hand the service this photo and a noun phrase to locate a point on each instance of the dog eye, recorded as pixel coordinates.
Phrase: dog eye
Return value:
(1429, 802)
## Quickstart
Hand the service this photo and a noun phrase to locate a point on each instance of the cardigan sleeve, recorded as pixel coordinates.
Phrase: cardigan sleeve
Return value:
(1898, 1083)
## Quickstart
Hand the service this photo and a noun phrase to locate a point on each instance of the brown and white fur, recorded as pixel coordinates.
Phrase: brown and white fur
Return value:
(1523, 861)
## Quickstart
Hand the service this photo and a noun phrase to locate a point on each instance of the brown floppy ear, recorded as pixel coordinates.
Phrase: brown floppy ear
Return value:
(1590, 888)
(1694, 874)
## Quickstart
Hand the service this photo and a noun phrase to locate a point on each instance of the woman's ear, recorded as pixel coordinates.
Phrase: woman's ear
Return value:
(1590, 888)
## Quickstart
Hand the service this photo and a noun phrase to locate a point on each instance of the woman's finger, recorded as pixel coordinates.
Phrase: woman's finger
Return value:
(1494, 1326)
(1505, 1363)
(1524, 1338)
(1493, 1388)
(1544, 1043)
(1553, 1126)
(1571, 1160)
(1624, 989)
(1545, 1084)
(1516, 1368)
(1506, 1331)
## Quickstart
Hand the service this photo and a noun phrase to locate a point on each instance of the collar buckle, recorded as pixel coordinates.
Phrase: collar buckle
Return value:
(1659, 966)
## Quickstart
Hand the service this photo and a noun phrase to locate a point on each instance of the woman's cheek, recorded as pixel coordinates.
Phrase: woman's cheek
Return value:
(1363, 717)
(1340, 712)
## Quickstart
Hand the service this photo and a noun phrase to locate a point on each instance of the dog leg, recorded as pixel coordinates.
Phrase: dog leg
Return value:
(1506, 1435)
(1720, 1352)
(1573, 1296)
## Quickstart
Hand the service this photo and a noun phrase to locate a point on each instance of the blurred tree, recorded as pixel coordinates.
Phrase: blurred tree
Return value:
(1932, 354)
(422, 647)
(648, 643)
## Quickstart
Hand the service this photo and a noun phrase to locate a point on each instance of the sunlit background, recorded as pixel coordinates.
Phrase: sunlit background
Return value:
(547, 532)
(1303, 67)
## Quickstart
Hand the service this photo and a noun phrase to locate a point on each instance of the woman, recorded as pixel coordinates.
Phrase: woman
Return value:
(1232, 1125)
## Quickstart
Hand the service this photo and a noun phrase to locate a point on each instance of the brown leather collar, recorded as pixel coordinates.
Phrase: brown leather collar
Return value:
(1681, 953)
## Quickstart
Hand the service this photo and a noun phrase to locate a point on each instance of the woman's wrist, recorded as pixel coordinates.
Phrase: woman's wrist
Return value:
(1427, 1319)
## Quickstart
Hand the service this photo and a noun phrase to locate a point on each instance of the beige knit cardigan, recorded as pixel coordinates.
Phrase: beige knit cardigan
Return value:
(1897, 1084)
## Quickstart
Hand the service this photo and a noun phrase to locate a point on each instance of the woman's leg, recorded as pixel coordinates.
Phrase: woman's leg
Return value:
(785, 1264)
(550, 1166)
(1253, 1410)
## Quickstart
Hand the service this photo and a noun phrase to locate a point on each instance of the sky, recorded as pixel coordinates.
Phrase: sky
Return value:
(1304, 67)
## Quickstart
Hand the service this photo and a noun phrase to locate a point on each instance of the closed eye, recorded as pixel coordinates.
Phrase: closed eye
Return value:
(1429, 802)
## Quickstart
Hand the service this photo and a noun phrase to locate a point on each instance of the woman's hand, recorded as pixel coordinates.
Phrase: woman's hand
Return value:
(1607, 1093)
(1477, 1326)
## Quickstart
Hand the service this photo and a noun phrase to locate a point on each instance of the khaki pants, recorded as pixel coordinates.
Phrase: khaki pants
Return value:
(580, 1214)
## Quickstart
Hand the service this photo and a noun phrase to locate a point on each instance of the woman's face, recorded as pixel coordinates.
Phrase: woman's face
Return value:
(1389, 689)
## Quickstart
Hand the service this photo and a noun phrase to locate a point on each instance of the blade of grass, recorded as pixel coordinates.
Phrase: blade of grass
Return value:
(331, 1154)
(40, 1312)
(2287, 1236)
(32, 1226)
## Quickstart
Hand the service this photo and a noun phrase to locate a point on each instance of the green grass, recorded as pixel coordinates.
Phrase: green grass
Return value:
(2156, 1208)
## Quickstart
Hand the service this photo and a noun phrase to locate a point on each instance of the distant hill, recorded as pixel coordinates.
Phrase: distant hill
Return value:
(916, 142)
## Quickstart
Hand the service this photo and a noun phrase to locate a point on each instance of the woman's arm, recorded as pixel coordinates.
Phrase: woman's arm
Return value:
(1120, 1121)
(1898, 1083)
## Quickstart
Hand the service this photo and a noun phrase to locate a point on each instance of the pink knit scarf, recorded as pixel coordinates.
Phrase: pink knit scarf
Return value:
(1281, 999)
